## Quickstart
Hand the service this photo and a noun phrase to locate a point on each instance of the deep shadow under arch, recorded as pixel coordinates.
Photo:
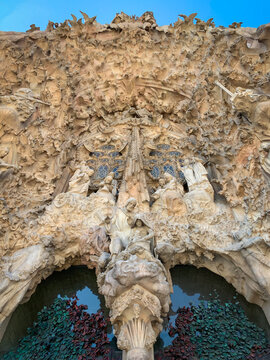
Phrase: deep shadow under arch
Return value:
(63, 283)
(204, 282)
(195, 284)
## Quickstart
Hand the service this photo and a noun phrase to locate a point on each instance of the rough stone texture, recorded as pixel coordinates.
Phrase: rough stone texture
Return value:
(131, 148)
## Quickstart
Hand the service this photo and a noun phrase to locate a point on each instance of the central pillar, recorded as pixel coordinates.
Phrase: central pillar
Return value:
(138, 294)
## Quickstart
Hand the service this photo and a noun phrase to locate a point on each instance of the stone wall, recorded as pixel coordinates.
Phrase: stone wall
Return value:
(131, 148)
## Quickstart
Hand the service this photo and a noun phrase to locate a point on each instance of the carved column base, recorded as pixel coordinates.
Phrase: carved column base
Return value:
(136, 317)
(137, 291)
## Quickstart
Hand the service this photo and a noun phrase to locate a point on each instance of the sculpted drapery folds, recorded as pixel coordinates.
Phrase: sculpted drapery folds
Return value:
(169, 198)
(80, 181)
(132, 170)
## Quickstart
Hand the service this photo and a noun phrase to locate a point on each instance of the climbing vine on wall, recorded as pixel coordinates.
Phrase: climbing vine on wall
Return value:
(208, 331)
(89, 331)
(212, 330)
(64, 330)
(182, 347)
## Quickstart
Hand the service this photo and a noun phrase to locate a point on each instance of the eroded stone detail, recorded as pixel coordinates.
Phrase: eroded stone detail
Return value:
(131, 148)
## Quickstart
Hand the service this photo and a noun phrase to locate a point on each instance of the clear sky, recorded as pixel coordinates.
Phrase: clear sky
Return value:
(17, 15)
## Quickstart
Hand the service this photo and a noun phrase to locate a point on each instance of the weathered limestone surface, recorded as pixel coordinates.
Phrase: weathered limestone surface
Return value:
(132, 148)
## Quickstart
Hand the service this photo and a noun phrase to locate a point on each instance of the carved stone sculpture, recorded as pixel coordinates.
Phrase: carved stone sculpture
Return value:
(79, 182)
(169, 198)
(136, 318)
(141, 236)
(95, 242)
(194, 172)
(137, 168)
(121, 227)
(137, 291)
(256, 107)
(107, 189)
(134, 181)
(265, 156)
(18, 270)
(200, 197)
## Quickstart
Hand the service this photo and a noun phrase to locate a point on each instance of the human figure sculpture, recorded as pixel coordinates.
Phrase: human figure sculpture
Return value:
(95, 242)
(21, 264)
(174, 189)
(169, 199)
(158, 198)
(199, 171)
(121, 227)
(142, 236)
(194, 172)
(200, 197)
(107, 189)
(79, 182)
(189, 173)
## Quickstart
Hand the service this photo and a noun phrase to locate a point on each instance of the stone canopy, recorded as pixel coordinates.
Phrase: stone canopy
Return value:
(131, 148)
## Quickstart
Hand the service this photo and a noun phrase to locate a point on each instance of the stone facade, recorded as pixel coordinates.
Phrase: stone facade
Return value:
(131, 148)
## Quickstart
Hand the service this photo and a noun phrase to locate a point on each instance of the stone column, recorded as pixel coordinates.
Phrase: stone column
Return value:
(138, 293)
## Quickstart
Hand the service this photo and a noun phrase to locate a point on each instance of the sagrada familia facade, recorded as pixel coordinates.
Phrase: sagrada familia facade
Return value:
(131, 148)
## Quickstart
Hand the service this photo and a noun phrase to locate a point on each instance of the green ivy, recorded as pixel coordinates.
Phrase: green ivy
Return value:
(64, 330)
(222, 331)
(50, 338)
(215, 331)
(208, 331)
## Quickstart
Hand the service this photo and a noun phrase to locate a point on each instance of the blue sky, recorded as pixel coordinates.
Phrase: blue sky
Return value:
(17, 15)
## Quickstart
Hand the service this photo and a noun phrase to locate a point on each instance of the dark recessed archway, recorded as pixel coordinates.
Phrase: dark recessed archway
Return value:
(76, 280)
(191, 285)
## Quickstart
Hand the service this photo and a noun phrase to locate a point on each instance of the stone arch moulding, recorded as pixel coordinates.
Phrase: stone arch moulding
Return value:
(27, 267)
(225, 265)
(131, 174)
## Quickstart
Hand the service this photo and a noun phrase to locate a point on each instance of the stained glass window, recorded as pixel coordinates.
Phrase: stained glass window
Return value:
(169, 169)
(155, 153)
(107, 147)
(114, 154)
(155, 172)
(174, 153)
(97, 153)
(116, 173)
(102, 171)
(163, 146)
